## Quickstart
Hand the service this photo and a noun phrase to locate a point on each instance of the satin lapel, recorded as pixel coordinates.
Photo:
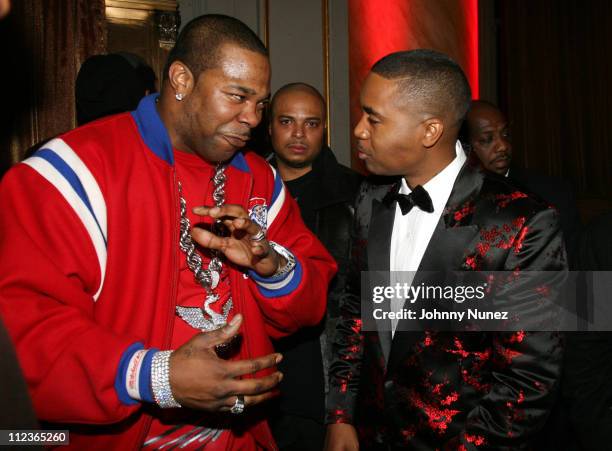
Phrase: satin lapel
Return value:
(444, 252)
(379, 244)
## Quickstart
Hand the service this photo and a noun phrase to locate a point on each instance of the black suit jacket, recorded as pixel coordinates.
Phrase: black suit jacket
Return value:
(558, 193)
(307, 353)
(435, 390)
(587, 375)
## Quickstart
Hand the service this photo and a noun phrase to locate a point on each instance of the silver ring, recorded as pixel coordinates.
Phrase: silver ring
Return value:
(259, 236)
(238, 406)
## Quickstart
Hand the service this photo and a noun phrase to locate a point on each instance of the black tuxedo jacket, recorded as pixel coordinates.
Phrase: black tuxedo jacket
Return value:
(444, 390)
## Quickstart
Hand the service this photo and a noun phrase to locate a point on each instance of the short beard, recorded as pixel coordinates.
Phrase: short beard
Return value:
(295, 164)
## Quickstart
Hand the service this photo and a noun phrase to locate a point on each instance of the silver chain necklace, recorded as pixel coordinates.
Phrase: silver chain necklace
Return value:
(204, 318)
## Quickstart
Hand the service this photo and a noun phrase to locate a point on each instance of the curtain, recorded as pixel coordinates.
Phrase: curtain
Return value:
(555, 74)
(44, 43)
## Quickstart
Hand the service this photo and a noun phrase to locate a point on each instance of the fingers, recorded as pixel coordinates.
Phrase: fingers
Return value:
(208, 239)
(256, 386)
(227, 210)
(220, 336)
(246, 226)
(239, 250)
(233, 216)
(241, 367)
(249, 401)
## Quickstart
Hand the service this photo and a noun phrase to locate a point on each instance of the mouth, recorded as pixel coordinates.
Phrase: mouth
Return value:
(361, 154)
(298, 148)
(236, 140)
(502, 161)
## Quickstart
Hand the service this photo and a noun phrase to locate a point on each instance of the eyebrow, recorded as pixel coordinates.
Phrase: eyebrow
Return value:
(243, 89)
(309, 118)
(490, 128)
(371, 111)
(249, 91)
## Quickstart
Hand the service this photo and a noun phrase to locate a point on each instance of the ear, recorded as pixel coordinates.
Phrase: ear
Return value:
(181, 79)
(433, 130)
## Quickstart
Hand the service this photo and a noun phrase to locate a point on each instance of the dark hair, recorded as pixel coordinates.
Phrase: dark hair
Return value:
(198, 43)
(106, 84)
(143, 70)
(431, 78)
(298, 86)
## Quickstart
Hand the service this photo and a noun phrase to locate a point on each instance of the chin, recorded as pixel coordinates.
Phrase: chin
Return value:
(499, 171)
(296, 164)
(218, 155)
(374, 169)
(300, 164)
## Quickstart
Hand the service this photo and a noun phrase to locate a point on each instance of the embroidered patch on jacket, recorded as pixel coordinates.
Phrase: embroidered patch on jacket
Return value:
(258, 212)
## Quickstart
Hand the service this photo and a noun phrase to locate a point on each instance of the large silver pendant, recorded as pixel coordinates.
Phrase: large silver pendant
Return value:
(205, 319)
(214, 279)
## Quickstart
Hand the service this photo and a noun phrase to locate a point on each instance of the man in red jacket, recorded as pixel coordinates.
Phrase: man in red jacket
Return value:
(135, 329)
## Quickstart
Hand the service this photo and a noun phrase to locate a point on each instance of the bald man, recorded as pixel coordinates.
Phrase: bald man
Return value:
(324, 191)
(488, 136)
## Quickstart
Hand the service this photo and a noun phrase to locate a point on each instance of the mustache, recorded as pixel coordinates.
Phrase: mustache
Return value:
(246, 135)
(504, 156)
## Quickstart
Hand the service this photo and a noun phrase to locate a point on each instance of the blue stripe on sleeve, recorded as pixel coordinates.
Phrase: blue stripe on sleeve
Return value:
(72, 178)
(285, 290)
(120, 379)
(144, 381)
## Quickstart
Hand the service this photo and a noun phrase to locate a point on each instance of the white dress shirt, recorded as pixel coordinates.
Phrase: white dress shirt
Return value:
(412, 232)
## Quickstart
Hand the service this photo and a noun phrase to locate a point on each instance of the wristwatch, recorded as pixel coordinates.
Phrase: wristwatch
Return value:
(281, 272)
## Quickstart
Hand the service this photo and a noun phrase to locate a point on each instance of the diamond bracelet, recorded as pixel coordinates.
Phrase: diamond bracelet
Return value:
(160, 380)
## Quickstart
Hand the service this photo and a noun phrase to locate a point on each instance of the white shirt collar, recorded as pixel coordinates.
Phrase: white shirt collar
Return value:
(441, 185)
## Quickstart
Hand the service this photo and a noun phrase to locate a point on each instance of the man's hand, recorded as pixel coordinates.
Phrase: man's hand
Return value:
(201, 380)
(341, 437)
(239, 247)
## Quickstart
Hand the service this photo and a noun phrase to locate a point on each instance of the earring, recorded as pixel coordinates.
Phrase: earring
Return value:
(179, 96)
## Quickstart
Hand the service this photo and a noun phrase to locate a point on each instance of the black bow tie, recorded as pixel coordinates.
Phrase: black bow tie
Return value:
(418, 197)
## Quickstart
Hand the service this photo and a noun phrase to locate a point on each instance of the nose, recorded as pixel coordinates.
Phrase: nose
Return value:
(503, 145)
(361, 129)
(298, 130)
(250, 115)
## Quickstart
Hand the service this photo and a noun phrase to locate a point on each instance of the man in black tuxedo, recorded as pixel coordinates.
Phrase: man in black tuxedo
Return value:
(488, 136)
(396, 389)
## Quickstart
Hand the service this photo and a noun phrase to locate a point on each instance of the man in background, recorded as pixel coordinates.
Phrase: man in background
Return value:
(488, 136)
(324, 191)
(105, 85)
